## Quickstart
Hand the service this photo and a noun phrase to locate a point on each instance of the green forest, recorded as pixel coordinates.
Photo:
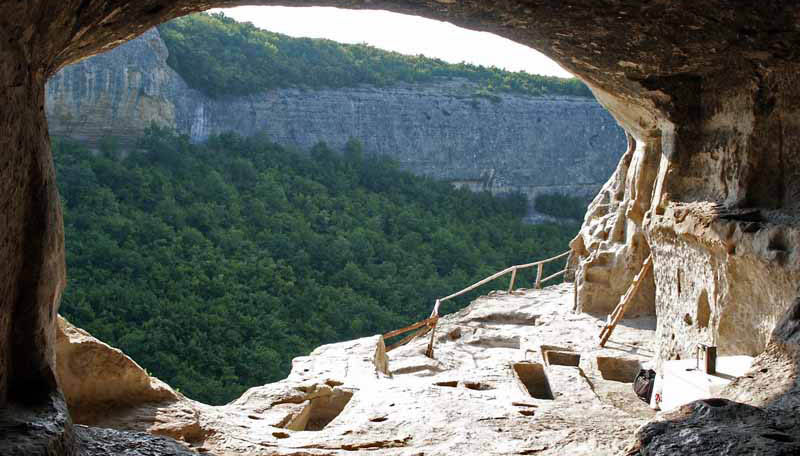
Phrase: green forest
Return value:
(561, 206)
(214, 265)
(219, 56)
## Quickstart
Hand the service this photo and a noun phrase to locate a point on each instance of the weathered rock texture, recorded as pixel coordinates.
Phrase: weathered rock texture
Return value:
(611, 246)
(96, 378)
(512, 374)
(533, 145)
(715, 203)
(757, 414)
(707, 91)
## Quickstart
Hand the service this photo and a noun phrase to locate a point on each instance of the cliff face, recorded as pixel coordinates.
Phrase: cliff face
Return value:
(503, 144)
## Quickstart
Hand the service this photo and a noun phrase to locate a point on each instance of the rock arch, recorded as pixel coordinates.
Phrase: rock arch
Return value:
(706, 91)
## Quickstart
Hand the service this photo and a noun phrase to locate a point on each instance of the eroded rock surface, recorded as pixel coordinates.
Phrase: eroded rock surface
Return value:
(92, 441)
(725, 269)
(489, 390)
(611, 248)
(96, 378)
(46, 430)
(719, 427)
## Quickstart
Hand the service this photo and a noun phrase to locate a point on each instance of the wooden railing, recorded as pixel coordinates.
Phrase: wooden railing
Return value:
(429, 324)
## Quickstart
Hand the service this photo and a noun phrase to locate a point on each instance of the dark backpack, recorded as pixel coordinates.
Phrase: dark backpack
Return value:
(643, 384)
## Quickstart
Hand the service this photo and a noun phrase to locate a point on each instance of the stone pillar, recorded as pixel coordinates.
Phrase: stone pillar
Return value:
(611, 247)
(31, 234)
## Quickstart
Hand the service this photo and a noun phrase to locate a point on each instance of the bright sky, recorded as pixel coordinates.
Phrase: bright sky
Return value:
(398, 32)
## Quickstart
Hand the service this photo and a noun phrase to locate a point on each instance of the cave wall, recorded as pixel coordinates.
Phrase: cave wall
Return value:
(31, 241)
(611, 246)
(715, 201)
(729, 203)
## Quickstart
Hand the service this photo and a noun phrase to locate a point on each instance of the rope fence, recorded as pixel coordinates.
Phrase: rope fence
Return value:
(429, 324)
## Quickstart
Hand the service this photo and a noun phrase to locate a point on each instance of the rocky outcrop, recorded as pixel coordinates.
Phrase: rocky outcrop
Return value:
(92, 441)
(96, 378)
(504, 144)
(719, 223)
(711, 194)
(512, 374)
(611, 247)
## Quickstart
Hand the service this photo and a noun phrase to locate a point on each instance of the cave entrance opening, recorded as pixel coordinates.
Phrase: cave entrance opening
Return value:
(29, 131)
(148, 45)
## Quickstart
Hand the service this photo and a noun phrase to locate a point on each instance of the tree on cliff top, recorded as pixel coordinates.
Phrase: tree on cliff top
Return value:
(219, 56)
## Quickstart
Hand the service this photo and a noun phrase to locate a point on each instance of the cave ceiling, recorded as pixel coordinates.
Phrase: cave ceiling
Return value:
(651, 53)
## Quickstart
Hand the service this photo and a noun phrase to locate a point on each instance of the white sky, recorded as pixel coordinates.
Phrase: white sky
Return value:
(398, 32)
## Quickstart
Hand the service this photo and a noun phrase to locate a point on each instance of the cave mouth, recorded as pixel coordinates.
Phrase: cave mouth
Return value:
(319, 412)
(30, 142)
(534, 379)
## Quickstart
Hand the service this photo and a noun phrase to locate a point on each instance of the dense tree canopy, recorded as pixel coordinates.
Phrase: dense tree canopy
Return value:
(220, 56)
(561, 206)
(214, 265)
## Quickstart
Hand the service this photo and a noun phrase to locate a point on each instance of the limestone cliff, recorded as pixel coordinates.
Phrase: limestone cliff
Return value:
(503, 144)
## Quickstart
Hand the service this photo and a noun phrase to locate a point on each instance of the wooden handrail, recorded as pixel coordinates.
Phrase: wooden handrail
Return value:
(504, 272)
(429, 324)
(409, 338)
(477, 284)
(553, 276)
(408, 328)
(536, 263)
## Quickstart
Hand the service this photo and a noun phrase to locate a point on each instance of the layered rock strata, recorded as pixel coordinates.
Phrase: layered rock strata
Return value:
(510, 143)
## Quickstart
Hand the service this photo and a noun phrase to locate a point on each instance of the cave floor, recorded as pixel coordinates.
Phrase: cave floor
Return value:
(488, 390)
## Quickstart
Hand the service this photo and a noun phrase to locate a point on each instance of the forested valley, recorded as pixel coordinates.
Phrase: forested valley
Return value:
(214, 265)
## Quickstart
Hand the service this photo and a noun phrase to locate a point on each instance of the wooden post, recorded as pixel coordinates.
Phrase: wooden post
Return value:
(435, 311)
(539, 269)
(511, 284)
(434, 314)
(429, 351)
